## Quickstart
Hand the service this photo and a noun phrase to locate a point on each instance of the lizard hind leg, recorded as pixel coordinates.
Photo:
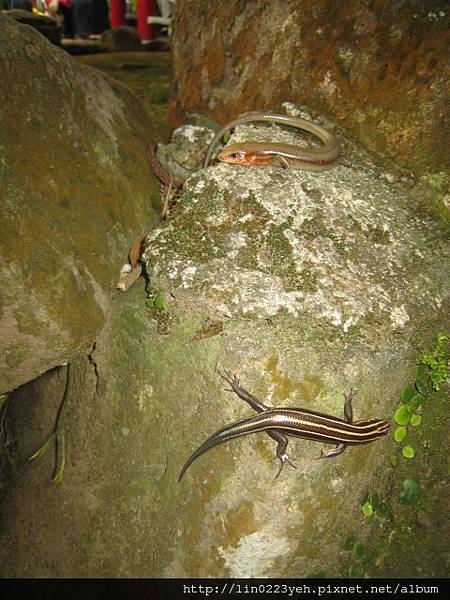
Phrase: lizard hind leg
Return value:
(339, 449)
(282, 162)
(348, 408)
(348, 418)
(282, 455)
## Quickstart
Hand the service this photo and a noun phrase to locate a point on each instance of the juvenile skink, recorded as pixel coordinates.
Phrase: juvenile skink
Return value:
(167, 182)
(296, 422)
(317, 158)
(156, 167)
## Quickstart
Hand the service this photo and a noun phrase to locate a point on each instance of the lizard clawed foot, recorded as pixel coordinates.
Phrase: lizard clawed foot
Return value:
(229, 378)
(339, 449)
(284, 459)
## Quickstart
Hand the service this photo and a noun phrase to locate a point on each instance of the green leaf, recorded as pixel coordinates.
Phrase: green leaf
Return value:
(348, 543)
(422, 377)
(407, 393)
(402, 416)
(415, 402)
(400, 434)
(356, 571)
(384, 510)
(61, 442)
(408, 451)
(359, 550)
(367, 509)
(149, 302)
(410, 493)
(159, 302)
(437, 361)
(43, 449)
(416, 420)
(374, 500)
(393, 460)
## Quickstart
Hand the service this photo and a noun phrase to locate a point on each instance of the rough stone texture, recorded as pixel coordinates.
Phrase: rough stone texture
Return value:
(381, 68)
(75, 192)
(121, 39)
(45, 25)
(304, 285)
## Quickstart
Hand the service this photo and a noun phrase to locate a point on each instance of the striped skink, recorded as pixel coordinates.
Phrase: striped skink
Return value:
(281, 422)
(317, 158)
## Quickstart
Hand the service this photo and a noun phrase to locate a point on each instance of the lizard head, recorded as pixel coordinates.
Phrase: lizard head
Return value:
(243, 154)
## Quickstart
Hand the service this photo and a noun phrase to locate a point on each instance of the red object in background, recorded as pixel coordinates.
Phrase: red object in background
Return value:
(146, 8)
(117, 12)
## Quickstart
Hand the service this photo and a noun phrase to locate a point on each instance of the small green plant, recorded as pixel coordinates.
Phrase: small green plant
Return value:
(58, 437)
(438, 360)
(400, 434)
(430, 375)
(408, 451)
(435, 191)
(372, 505)
(416, 420)
(410, 493)
(154, 299)
(349, 542)
(359, 552)
(356, 572)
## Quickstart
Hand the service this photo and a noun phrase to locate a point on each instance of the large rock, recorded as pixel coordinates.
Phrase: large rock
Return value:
(381, 68)
(121, 39)
(75, 192)
(304, 285)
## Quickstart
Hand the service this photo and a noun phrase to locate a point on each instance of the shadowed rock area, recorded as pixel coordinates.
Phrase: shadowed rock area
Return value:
(75, 192)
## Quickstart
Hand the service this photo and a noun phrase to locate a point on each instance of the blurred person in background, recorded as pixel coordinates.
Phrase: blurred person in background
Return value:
(65, 9)
(82, 17)
(99, 16)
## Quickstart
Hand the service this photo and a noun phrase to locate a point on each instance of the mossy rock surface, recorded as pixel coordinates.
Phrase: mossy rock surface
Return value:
(303, 285)
(76, 191)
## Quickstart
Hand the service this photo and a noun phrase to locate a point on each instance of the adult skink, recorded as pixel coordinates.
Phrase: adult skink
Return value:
(296, 422)
(317, 158)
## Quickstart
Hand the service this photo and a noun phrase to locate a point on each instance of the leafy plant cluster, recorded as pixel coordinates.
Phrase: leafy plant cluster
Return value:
(430, 375)
(373, 506)
(154, 299)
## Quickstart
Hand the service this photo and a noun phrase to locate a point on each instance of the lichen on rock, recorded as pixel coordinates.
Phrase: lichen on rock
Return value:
(345, 247)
